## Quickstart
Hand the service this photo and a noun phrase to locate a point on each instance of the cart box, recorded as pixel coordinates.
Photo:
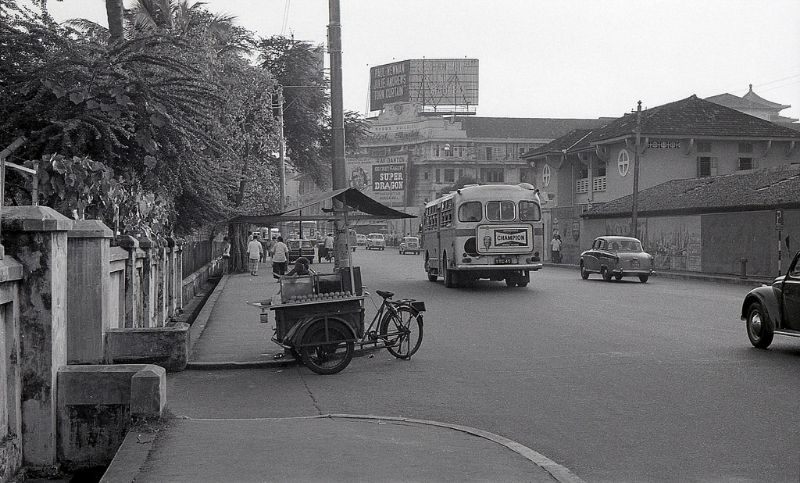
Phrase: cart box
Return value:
(296, 287)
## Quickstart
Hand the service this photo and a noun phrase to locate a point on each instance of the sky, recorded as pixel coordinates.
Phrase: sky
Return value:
(543, 58)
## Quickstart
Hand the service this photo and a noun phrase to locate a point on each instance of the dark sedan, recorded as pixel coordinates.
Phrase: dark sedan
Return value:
(774, 309)
(616, 257)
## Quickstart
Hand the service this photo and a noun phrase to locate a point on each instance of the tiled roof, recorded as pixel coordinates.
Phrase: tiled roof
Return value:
(753, 190)
(522, 128)
(756, 99)
(693, 117)
(751, 100)
(571, 140)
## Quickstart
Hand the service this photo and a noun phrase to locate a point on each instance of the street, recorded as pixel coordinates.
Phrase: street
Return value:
(618, 381)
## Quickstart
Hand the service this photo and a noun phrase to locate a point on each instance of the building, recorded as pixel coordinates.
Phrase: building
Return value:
(688, 139)
(755, 105)
(423, 153)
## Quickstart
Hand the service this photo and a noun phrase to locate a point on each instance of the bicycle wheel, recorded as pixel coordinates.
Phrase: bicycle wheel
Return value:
(326, 355)
(402, 332)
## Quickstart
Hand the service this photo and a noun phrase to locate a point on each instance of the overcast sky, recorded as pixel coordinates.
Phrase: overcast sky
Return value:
(570, 59)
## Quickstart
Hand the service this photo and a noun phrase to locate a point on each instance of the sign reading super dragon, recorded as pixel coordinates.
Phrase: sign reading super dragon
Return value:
(381, 178)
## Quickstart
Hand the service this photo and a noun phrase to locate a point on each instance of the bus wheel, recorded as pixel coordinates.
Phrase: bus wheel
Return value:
(431, 276)
(510, 282)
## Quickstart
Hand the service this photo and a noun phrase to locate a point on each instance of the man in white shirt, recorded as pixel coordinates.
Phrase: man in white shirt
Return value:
(280, 256)
(254, 250)
(329, 246)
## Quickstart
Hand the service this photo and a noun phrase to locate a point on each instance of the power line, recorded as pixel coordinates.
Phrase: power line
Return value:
(285, 17)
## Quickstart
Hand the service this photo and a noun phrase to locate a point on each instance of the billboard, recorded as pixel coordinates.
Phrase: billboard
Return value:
(430, 82)
(381, 178)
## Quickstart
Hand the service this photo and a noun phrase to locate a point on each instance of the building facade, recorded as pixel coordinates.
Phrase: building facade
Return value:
(691, 138)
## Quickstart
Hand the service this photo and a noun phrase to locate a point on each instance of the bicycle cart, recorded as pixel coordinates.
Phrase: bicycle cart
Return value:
(319, 320)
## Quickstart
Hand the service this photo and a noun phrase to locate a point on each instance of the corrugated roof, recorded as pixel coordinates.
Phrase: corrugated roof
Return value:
(522, 128)
(693, 117)
(754, 190)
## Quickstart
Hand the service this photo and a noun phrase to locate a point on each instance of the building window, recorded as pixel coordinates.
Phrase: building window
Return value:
(703, 147)
(436, 151)
(438, 177)
(426, 176)
(623, 162)
(448, 151)
(706, 166)
(460, 173)
(488, 153)
(449, 175)
(600, 168)
(546, 175)
(458, 151)
(492, 175)
(745, 148)
(745, 164)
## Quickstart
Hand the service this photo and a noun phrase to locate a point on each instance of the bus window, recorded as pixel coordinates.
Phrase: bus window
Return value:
(500, 210)
(470, 211)
(529, 211)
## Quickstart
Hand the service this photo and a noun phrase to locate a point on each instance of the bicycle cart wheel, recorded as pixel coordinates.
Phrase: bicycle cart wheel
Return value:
(402, 332)
(326, 355)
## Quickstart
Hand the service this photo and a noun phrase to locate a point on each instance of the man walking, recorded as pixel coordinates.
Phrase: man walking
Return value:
(555, 248)
(280, 256)
(329, 246)
(254, 250)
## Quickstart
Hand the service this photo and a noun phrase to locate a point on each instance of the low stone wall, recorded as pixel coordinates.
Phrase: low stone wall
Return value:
(167, 347)
(194, 283)
(95, 405)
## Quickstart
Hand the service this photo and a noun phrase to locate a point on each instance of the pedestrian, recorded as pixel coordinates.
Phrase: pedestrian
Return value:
(254, 249)
(301, 267)
(555, 248)
(226, 255)
(280, 256)
(329, 246)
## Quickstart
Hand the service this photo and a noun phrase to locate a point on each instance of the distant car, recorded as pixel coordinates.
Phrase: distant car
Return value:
(616, 257)
(300, 248)
(409, 244)
(376, 241)
(774, 309)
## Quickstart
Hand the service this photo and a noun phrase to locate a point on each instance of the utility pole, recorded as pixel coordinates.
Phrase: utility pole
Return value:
(281, 159)
(337, 124)
(635, 202)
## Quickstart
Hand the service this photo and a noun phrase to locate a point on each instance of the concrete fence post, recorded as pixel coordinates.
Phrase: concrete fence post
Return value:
(89, 280)
(37, 237)
(173, 284)
(131, 245)
(148, 285)
(179, 273)
(161, 298)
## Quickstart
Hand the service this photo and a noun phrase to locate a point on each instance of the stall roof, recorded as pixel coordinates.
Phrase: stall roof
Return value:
(367, 207)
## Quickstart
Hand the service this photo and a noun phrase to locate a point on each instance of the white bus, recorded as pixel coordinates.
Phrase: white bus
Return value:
(482, 232)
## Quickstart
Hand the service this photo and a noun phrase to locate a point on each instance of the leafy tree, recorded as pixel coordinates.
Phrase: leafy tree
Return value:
(460, 183)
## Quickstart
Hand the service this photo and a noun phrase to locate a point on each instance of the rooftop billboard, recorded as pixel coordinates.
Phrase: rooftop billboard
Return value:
(430, 82)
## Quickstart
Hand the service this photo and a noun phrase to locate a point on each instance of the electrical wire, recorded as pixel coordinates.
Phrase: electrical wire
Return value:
(285, 17)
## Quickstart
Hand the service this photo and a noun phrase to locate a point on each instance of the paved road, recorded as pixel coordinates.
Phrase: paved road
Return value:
(617, 381)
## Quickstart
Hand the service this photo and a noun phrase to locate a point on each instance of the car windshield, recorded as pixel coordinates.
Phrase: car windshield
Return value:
(410, 240)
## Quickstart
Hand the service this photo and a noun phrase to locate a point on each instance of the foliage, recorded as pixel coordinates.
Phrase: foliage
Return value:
(460, 183)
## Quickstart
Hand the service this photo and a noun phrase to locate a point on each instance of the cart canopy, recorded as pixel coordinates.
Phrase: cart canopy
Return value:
(364, 208)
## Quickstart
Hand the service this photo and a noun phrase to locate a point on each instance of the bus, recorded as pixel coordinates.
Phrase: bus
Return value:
(482, 231)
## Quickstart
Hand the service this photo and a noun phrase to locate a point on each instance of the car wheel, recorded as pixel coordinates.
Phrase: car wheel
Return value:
(760, 329)
(510, 282)
(618, 277)
(644, 278)
(606, 274)
(584, 272)
(449, 276)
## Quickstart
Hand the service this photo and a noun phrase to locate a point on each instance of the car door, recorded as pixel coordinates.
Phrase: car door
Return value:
(791, 295)
(591, 260)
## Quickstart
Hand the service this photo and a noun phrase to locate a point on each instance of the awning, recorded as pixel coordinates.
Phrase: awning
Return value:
(359, 206)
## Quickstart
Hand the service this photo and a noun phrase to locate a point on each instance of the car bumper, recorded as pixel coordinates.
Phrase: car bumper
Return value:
(499, 268)
(632, 271)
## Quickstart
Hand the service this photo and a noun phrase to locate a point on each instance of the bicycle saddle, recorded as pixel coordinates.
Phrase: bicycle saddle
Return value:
(386, 295)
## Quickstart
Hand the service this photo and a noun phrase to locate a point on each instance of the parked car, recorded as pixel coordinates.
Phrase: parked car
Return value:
(361, 240)
(409, 244)
(774, 309)
(376, 240)
(300, 248)
(616, 257)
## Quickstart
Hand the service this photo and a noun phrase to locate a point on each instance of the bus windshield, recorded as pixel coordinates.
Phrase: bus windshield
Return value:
(470, 211)
(529, 211)
(500, 210)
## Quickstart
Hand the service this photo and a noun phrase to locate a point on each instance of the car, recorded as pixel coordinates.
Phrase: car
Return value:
(616, 257)
(774, 309)
(409, 244)
(300, 248)
(376, 240)
(361, 240)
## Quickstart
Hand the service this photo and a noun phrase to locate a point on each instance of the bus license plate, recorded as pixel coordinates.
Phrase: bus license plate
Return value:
(502, 261)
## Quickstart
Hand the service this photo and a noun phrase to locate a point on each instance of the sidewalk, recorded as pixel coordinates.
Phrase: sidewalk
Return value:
(332, 447)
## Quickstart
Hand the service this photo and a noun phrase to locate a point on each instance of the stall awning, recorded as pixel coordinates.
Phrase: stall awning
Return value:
(359, 206)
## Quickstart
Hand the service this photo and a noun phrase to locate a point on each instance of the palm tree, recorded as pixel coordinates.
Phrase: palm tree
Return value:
(115, 13)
